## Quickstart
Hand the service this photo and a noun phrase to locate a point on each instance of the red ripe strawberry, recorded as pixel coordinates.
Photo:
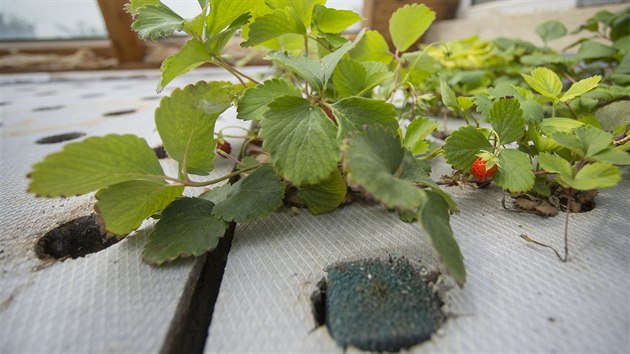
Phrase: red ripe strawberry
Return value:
(224, 146)
(478, 170)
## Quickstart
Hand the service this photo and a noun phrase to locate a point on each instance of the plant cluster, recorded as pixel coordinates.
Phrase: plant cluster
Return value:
(324, 128)
(330, 127)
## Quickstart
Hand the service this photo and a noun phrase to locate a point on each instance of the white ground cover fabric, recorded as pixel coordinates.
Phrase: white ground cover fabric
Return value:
(518, 297)
(106, 302)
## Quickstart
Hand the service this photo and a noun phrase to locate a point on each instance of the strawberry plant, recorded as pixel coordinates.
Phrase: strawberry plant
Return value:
(326, 121)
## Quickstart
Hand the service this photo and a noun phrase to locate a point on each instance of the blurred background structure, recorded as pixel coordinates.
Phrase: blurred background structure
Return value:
(52, 35)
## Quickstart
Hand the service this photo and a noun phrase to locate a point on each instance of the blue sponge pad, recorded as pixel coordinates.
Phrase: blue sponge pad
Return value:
(380, 305)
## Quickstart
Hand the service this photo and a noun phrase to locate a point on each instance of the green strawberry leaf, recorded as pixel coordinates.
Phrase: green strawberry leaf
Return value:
(506, 118)
(353, 113)
(332, 20)
(255, 195)
(93, 164)
(253, 104)
(550, 126)
(545, 82)
(416, 132)
(214, 43)
(551, 30)
(301, 140)
(307, 68)
(124, 206)
(372, 47)
(461, 148)
(533, 111)
(554, 164)
(272, 25)
(408, 24)
(187, 228)
(354, 78)
(614, 115)
(591, 50)
(134, 5)
(330, 61)
(418, 172)
(349, 78)
(448, 96)
(189, 57)
(596, 175)
(302, 9)
(614, 156)
(223, 13)
(594, 140)
(516, 173)
(372, 159)
(435, 220)
(186, 120)
(155, 21)
(325, 196)
(581, 87)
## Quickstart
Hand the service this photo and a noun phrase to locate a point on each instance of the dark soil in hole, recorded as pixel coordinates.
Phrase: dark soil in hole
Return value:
(581, 202)
(377, 305)
(48, 108)
(53, 139)
(160, 152)
(75, 238)
(119, 113)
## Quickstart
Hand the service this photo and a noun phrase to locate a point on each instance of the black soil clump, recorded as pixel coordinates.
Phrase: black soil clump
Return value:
(74, 239)
(160, 152)
(53, 139)
(378, 305)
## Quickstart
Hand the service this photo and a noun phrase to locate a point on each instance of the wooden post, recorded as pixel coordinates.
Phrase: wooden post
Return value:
(126, 44)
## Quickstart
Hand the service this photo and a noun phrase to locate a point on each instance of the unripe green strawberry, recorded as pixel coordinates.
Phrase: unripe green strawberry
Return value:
(478, 170)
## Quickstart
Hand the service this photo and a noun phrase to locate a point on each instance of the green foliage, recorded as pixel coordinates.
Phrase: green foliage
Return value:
(353, 113)
(153, 19)
(515, 173)
(186, 119)
(545, 82)
(272, 25)
(434, 218)
(325, 196)
(332, 20)
(189, 57)
(462, 147)
(372, 47)
(186, 228)
(301, 139)
(253, 104)
(328, 123)
(506, 118)
(372, 159)
(255, 195)
(93, 164)
(416, 132)
(551, 30)
(409, 23)
(124, 206)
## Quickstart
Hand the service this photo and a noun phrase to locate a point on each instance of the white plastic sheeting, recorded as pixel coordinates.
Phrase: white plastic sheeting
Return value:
(108, 301)
(518, 297)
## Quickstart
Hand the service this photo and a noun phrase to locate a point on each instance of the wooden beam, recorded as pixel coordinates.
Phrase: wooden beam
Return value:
(125, 43)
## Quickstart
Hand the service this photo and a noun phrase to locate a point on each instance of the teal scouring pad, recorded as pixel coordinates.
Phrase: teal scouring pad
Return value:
(380, 305)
